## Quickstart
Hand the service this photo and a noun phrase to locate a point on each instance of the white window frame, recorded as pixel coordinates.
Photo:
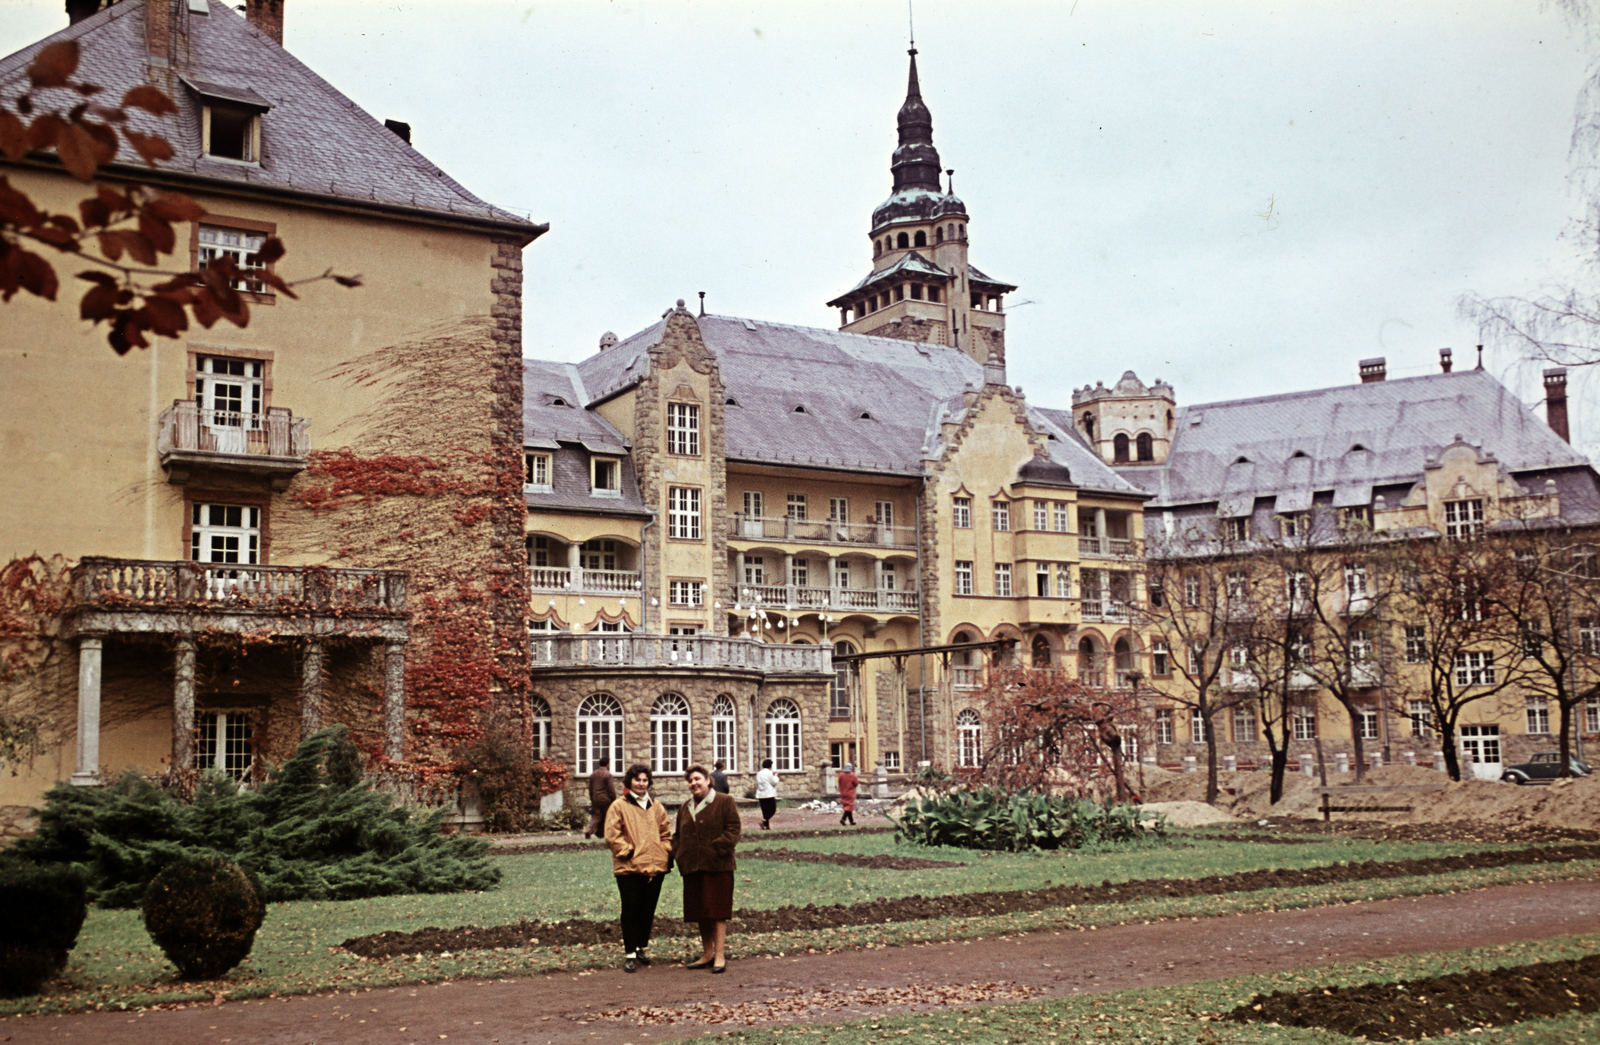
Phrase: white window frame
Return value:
(683, 513)
(961, 513)
(213, 526)
(1000, 515)
(1463, 518)
(800, 573)
(1002, 579)
(782, 724)
(1366, 723)
(603, 470)
(683, 429)
(839, 697)
(1474, 668)
(1164, 726)
(669, 734)
(963, 577)
(1236, 529)
(536, 472)
(230, 394)
(1197, 727)
(1591, 715)
(599, 720)
(1060, 519)
(1244, 724)
(796, 507)
(215, 241)
(1063, 581)
(539, 717)
(969, 732)
(1041, 515)
(1160, 658)
(839, 510)
(725, 732)
(226, 743)
(755, 570)
(1303, 723)
(686, 593)
(1041, 580)
(1416, 639)
(1421, 714)
(1537, 710)
(598, 554)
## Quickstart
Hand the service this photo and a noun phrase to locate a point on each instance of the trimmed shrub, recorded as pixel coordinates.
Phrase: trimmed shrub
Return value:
(509, 779)
(1016, 821)
(203, 912)
(44, 906)
(302, 834)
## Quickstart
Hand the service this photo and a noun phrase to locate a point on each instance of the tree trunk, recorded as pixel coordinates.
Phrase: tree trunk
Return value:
(1447, 747)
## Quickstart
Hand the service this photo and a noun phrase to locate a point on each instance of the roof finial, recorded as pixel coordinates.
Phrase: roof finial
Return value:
(911, 22)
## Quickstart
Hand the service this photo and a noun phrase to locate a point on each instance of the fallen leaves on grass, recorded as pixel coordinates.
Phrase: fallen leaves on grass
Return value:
(799, 1005)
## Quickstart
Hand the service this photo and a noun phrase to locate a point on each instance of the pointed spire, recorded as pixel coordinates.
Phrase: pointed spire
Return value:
(916, 161)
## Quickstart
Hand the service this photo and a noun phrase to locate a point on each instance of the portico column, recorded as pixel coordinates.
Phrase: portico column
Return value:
(311, 689)
(394, 701)
(183, 704)
(788, 578)
(90, 653)
(1102, 538)
(575, 565)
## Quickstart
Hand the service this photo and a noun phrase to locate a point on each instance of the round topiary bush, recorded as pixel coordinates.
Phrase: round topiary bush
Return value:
(203, 912)
(44, 906)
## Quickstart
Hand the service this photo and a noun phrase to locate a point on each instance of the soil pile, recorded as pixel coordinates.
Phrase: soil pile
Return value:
(1562, 807)
(873, 863)
(1188, 814)
(1416, 1009)
(968, 905)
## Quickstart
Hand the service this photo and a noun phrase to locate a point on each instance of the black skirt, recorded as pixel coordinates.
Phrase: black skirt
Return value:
(708, 896)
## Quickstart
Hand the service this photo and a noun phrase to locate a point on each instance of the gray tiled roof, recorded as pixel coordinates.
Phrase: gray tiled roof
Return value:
(573, 434)
(1066, 447)
(1246, 448)
(315, 142)
(910, 263)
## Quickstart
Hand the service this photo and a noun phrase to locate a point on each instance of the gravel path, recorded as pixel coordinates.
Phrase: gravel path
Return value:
(561, 1009)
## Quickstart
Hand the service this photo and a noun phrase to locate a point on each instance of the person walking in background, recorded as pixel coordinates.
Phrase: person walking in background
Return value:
(602, 792)
(708, 830)
(719, 778)
(848, 782)
(641, 854)
(767, 793)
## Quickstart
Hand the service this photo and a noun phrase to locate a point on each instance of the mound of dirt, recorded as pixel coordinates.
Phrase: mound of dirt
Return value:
(1441, 1005)
(1188, 814)
(876, 863)
(967, 905)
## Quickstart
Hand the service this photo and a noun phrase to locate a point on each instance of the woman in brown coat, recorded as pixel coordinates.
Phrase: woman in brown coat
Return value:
(708, 829)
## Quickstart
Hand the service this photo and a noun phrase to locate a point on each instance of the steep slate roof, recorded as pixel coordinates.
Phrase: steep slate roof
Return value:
(315, 142)
(908, 264)
(572, 434)
(908, 388)
(1296, 444)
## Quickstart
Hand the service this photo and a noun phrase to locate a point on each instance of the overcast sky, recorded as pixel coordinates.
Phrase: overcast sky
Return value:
(1242, 198)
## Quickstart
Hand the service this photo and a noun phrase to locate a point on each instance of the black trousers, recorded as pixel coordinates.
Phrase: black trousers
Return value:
(639, 894)
(769, 806)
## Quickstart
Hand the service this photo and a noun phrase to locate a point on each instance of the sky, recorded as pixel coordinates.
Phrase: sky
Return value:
(1241, 198)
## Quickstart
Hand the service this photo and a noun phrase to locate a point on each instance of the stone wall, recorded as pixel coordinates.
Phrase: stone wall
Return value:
(17, 822)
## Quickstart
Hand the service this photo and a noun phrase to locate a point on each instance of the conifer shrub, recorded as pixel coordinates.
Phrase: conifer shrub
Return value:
(302, 834)
(1017, 821)
(203, 912)
(44, 907)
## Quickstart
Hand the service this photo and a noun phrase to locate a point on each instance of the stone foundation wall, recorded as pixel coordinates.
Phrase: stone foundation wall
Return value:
(16, 822)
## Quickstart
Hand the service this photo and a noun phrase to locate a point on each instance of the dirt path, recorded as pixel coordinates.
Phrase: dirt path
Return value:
(558, 1009)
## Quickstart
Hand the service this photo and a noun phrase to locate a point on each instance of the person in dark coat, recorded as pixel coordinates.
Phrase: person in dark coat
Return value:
(708, 830)
(602, 792)
(848, 782)
(719, 778)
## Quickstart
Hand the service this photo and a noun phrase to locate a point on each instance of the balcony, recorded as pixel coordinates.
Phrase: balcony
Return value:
(583, 582)
(271, 444)
(871, 600)
(966, 677)
(1107, 547)
(608, 650)
(1106, 609)
(123, 595)
(744, 527)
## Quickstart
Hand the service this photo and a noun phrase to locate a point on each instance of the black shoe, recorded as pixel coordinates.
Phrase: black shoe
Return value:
(697, 965)
(720, 968)
(630, 965)
(643, 959)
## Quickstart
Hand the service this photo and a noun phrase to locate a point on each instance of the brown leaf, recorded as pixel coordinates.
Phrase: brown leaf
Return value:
(175, 206)
(53, 65)
(64, 221)
(111, 245)
(113, 199)
(167, 317)
(127, 331)
(348, 281)
(52, 234)
(99, 302)
(104, 279)
(13, 136)
(16, 207)
(157, 231)
(272, 279)
(139, 247)
(152, 148)
(205, 307)
(43, 131)
(94, 212)
(272, 250)
(78, 151)
(37, 275)
(152, 100)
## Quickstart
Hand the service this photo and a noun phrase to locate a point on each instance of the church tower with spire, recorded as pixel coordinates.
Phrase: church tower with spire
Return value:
(922, 287)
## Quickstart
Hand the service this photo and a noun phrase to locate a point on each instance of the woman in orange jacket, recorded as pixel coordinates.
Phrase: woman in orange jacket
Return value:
(641, 848)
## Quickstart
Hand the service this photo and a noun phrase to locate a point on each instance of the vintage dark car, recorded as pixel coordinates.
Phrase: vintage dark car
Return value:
(1546, 765)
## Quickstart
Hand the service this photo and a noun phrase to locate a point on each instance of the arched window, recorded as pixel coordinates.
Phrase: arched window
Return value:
(1088, 427)
(599, 732)
(783, 735)
(839, 694)
(1122, 654)
(1041, 651)
(922, 238)
(877, 247)
(1091, 665)
(1145, 447)
(539, 712)
(1119, 448)
(669, 734)
(725, 733)
(969, 736)
(950, 230)
(902, 241)
(938, 234)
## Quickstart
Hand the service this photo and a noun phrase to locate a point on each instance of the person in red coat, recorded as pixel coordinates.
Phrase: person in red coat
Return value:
(848, 782)
(708, 829)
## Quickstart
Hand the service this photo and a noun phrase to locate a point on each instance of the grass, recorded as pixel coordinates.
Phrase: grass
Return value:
(1186, 1014)
(116, 966)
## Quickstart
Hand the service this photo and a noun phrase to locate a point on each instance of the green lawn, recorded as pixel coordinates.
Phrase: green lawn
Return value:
(1186, 1015)
(115, 963)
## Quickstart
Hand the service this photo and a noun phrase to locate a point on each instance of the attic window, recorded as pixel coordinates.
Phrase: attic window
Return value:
(1298, 453)
(1241, 459)
(230, 121)
(865, 416)
(557, 401)
(732, 401)
(1355, 447)
(800, 409)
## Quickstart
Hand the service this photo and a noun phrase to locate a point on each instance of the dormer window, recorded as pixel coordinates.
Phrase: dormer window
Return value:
(536, 472)
(230, 121)
(605, 477)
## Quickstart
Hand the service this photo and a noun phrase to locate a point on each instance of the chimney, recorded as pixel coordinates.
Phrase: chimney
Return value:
(1555, 401)
(267, 16)
(78, 10)
(994, 370)
(158, 31)
(1374, 369)
(1445, 360)
(400, 130)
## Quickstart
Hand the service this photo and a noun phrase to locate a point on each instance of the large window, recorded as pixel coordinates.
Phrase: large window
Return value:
(669, 734)
(1480, 744)
(1197, 727)
(1160, 658)
(963, 577)
(783, 735)
(1244, 724)
(1416, 643)
(969, 734)
(598, 554)
(536, 471)
(683, 429)
(1164, 734)
(839, 693)
(796, 504)
(725, 733)
(1421, 715)
(1474, 668)
(225, 533)
(605, 477)
(1000, 512)
(961, 513)
(237, 245)
(686, 593)
(599, 732)
(683, 512)
(1591, 715)
(1538, 712)
(1367, 723)
(1589, 636)
(1463, 518)
(1059, 516)
(1041, 515)
(226, 743)
(1002, 579)
(539, 710)
(1303, 722)
(229, 393)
